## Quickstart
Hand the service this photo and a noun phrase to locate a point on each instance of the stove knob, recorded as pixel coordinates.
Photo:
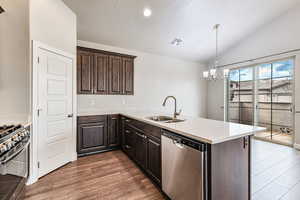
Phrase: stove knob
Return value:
(3, 148)
(15, 138)
(10, 144)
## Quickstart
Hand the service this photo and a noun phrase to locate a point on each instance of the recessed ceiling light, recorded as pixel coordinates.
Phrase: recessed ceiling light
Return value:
(147, 12)
(177, 42)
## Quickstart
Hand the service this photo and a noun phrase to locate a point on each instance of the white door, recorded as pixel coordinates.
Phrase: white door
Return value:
(55, 111)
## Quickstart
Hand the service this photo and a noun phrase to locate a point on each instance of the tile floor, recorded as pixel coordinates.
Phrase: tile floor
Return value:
(275, 172)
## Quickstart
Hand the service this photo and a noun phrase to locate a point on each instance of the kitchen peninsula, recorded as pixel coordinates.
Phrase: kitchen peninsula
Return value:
(224, 172)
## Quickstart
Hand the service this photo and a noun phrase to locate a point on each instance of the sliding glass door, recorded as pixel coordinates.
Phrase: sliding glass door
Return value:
(240, 98)
(263, 95)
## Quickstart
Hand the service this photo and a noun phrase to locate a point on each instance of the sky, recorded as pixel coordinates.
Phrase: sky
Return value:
(280, 69)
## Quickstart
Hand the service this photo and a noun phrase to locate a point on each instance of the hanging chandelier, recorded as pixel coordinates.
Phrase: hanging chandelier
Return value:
(214, 73)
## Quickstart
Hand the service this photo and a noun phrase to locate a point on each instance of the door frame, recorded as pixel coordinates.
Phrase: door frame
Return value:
(35, 46)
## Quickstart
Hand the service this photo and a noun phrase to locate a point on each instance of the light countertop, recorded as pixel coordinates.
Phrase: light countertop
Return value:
(201, 129)
(15, 120)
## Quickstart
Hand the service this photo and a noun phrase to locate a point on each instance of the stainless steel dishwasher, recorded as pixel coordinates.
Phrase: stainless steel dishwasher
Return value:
(183, 167)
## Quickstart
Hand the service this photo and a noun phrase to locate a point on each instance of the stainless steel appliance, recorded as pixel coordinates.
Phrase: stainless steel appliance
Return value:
(14, 161)
(183, 167)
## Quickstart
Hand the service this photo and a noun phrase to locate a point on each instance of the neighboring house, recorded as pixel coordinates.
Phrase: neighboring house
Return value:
(274, 103)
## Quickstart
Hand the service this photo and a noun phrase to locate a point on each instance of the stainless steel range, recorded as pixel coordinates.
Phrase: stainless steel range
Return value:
(14, 161)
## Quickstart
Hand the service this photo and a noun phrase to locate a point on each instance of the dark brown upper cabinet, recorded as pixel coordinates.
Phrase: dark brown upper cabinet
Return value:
(102, 72)
(115, 75)
(128, 76)
(101, 65)
(85, 72)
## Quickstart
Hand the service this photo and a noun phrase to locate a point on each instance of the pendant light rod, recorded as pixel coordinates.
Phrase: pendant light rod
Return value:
(216, 28)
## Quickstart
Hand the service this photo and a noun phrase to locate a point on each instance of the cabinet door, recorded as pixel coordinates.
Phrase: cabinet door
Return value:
(129, 142)
(113, 131)
(85, 72)
(115, 75)
(154, 159)
(91, 137)
(128, 78)
(141, 149)
(228, 159)
(101, 74)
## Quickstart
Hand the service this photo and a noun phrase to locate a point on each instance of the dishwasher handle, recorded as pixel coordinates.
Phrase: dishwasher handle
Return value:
(181, 141)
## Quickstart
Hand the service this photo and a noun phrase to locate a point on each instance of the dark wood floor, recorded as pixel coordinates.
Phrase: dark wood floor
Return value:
(107, 176)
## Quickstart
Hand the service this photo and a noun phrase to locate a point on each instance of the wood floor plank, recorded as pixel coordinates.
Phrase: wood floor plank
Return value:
(106, 176)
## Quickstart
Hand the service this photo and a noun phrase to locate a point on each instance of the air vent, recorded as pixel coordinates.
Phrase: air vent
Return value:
(1, 10)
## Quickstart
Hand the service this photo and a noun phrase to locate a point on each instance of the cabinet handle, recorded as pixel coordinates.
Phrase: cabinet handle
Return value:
(127, 146)
(127, 131)
(141, 135)
(245, 142)
(127, 120)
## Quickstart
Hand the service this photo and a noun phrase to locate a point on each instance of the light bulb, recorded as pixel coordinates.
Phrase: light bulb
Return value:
(205, 74)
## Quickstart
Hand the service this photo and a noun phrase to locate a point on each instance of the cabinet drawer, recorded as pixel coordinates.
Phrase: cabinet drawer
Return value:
(148, 129)
(91, 119)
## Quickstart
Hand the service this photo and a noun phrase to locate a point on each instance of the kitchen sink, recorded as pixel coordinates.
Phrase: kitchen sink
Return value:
(165, 119)
(175, 120)
(160, 118)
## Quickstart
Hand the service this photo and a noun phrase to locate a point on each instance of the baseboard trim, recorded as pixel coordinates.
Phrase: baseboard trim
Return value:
(297, 146)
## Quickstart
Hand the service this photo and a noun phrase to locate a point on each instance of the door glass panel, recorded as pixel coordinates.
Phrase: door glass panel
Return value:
(241, 96)
(282, 104)
(274, 101)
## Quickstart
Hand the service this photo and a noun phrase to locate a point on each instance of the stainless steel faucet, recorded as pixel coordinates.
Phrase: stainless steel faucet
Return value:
(175, 110)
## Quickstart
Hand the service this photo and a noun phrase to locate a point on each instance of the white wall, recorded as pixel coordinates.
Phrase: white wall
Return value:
(53, 23)
(14, 58)
(280, 35)
(155, 78)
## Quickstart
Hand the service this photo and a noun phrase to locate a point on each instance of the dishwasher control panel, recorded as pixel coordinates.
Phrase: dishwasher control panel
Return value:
(185, 141)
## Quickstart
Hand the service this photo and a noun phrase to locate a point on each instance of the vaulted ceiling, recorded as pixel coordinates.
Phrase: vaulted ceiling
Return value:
(121, 23)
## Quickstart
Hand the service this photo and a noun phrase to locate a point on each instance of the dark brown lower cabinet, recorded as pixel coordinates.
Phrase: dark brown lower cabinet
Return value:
(113, 131)
(141, 149)
(97, 133)
(141, 142)
(154, 159)
(129, 141)
(91, 137)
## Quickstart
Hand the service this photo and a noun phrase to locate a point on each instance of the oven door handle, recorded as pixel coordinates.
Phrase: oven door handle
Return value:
(3, 162)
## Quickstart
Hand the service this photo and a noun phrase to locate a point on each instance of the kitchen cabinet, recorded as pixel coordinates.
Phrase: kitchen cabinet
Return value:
(141, 149)
(128, 78)
(142, 143)
(97, 134)
(104, 73)
(129, 142)
(92, 135)
(154, 159)
(229, 162)
(113, 131)
(115, 75)
(85, 63)
(100, 77)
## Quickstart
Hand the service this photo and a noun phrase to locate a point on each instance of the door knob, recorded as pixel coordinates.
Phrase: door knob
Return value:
(70, 115)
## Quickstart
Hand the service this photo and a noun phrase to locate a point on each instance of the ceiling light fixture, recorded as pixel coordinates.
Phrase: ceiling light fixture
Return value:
(147, 12)
(177, 42)
(213, 73)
